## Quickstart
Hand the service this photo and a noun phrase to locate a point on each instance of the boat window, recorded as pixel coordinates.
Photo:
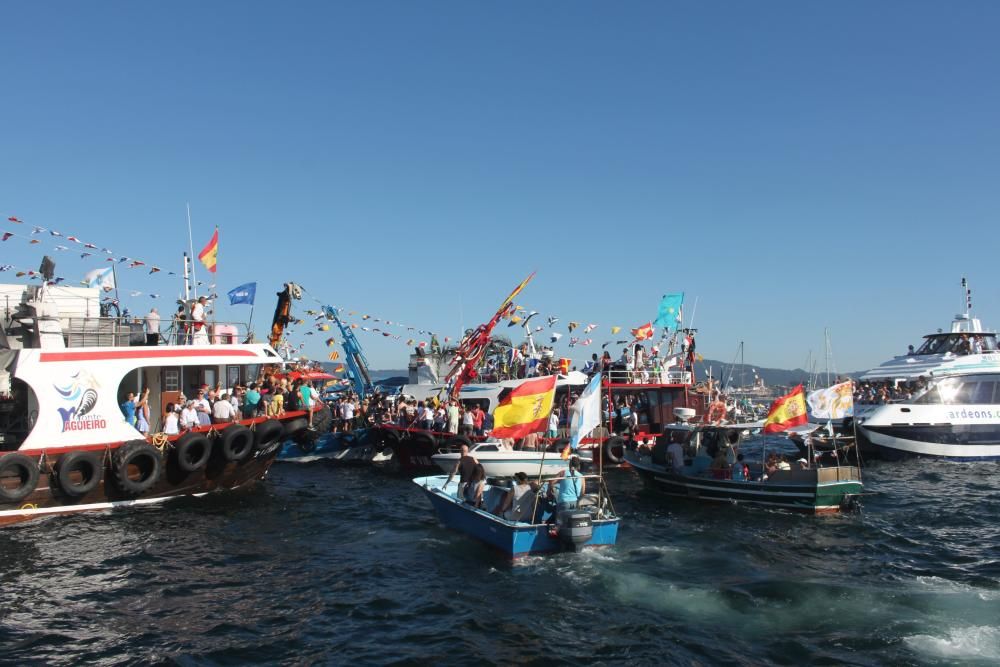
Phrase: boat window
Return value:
(983, 393)
(487, 448)
(931, 345)
(989, 343)
(18, 413)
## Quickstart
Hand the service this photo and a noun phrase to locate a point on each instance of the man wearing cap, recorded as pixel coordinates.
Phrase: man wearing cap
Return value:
(198, 322)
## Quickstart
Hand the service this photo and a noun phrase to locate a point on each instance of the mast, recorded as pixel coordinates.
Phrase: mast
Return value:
(194, 280)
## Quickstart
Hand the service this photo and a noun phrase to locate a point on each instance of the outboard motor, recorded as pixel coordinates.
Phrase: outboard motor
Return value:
(574, 528)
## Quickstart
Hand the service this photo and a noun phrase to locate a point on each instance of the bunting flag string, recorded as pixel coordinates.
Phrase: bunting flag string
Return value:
(86, 249)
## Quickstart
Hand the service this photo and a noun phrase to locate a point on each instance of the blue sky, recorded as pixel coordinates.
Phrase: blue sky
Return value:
(795, 166)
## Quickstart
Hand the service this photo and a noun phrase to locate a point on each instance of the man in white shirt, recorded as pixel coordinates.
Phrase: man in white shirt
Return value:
(198, 322)
(347, 412)
(223, 411)
(152, 327)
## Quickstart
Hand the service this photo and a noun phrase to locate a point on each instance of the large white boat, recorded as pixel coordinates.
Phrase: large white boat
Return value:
(65, 442)
(953, 411)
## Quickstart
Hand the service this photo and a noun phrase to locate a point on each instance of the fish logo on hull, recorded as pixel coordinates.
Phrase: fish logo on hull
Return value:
(78, 416)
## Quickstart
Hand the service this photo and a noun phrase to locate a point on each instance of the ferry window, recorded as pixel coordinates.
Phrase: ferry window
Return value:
(989, 343)
(171, 379)
(232, 376)
(931, 346)
(983, 393)
(947, 344)
(945, 392)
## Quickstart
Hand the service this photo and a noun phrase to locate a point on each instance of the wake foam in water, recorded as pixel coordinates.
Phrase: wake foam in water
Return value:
(971, 642)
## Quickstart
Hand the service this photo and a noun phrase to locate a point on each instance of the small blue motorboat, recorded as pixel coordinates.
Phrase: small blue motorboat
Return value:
(592, 524)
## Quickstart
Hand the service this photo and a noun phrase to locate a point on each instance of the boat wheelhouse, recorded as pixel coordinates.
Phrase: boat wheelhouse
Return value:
(65, 443)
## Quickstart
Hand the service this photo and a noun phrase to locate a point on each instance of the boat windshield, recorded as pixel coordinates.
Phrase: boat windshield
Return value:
(962, 391)
(959, 343)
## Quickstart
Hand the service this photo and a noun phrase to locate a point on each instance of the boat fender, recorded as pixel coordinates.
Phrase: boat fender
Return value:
(236, 442)
(137, 466)
(267, 434)
(192, 451)
(322, 419)
(294, 428)
(88, 467)
(25, 470)
(424, 443)
(455, 443)
(390, 437)
(614, 447)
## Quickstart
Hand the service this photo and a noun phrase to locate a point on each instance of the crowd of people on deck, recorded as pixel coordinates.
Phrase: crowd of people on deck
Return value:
(880, 392)
(271, 395)
(188, 326)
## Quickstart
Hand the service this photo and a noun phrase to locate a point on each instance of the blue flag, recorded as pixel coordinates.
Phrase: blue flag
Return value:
(670, 311)
(243, 294)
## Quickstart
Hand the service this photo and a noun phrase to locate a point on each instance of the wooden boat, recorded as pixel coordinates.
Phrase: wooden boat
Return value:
(813, 489)
(65, 444)
(593, 524)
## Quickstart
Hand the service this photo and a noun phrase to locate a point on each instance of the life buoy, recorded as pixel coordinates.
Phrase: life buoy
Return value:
(236, 443)
(614, 449)
(88, 471)
(137, 466)
(267, 434)
(192, 451)
(18, 477)
(294, 428)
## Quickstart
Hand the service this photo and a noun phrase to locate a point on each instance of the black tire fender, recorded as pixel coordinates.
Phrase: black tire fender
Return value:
(267, 433)
(612, 446)
(192, 451)
(146, 462)
(24, 469)
(389, 437)
(89, 468)
(424, 443)
(236, 442)
(294, 428)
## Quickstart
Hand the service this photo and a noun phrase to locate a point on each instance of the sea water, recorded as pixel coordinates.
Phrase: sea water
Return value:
(322, 564)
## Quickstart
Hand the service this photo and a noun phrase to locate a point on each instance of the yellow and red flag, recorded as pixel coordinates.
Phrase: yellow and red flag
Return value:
(210, 253)
(645, 332)
(526, 409)
(786, 412)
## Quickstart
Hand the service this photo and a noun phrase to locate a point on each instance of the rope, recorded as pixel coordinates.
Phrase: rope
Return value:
(161, 442)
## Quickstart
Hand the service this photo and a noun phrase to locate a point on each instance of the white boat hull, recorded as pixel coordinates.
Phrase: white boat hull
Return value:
(507, 463)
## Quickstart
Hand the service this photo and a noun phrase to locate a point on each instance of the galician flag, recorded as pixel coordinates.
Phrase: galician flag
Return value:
(786, 412)
(526, 409)
(102, 278)
(585, 414)
(209, 255)
(834, 402)
(670, 311)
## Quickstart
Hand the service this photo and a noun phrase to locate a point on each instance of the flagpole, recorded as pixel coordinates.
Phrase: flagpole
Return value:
(194, 280)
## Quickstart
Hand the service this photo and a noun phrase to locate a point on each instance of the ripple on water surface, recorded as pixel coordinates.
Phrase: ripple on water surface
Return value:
(323, 564)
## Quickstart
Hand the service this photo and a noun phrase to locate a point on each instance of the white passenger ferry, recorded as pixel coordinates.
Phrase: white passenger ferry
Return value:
(65, 444)
(956, 412)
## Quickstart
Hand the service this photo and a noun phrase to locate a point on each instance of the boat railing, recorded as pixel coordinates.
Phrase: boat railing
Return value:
(128, 332)
(605, 506)
(646, 377)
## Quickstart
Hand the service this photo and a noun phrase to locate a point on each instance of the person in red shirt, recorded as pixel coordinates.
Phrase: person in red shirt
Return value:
(477, 419)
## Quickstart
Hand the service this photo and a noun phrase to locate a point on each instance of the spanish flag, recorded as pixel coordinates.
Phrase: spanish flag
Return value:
(526, 409)
(645, 332)
(210, 253)
(786, 412)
